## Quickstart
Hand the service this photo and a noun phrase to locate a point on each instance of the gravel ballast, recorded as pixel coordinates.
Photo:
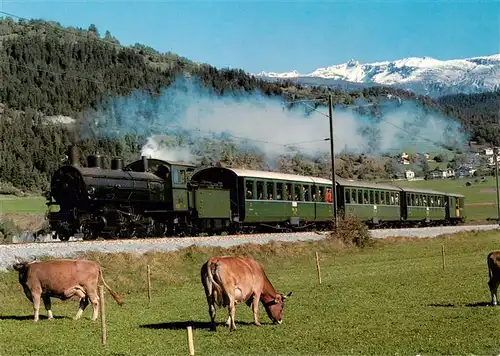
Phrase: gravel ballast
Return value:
(59, 249)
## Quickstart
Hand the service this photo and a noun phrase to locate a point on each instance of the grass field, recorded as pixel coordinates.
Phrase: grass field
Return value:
(13, 204)
(392, 298)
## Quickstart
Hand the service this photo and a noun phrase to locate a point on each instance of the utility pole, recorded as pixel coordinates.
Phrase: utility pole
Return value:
(332, 152)
(495, 156)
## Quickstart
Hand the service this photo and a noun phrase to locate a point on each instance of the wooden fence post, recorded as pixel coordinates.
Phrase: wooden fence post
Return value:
(149, 284)
(443, 255)
(190, 340)
(103, 315)
(318, 268)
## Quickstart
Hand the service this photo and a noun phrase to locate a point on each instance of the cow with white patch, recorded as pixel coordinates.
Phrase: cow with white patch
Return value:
(62, 279)
(231, 280)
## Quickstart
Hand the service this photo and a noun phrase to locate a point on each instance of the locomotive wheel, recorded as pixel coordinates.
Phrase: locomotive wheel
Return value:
(88, 232)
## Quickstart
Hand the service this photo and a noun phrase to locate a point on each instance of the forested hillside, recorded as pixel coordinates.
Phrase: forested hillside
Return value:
(46, 69)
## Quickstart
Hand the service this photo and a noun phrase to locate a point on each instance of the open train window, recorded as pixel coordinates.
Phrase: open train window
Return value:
(249, 189)
(365, 197)
(377, 197)
(270, 190)
(297, 192)
(279, 191)
(360, 196)
(348, 196)
(260, 190)
(287, 193)
(353, 195)
(396, 198)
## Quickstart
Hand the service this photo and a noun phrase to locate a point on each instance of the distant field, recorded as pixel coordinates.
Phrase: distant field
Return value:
(392, 299)
(12, 204)
(480, 197)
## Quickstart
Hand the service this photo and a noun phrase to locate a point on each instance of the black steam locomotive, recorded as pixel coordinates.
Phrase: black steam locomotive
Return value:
(148, 197)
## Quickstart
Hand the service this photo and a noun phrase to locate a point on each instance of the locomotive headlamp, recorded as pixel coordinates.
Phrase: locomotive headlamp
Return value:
(91, 190)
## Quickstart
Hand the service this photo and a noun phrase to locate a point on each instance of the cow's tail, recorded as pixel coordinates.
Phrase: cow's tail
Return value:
(115, 296)
(216, 289)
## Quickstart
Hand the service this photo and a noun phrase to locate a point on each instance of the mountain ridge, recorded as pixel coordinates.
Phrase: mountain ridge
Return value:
(421, 75)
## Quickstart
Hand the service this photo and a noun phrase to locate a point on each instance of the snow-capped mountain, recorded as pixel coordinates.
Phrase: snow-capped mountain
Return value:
(425, 75)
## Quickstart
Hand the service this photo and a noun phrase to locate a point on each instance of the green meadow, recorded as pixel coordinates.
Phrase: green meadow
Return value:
(391, 298)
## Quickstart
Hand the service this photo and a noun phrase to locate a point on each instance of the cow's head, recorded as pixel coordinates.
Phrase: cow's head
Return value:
(21, 266)
(274, 308)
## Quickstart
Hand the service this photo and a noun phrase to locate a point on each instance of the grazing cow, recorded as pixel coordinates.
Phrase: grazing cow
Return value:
(63, 279)
(494, 274)
(230, 280)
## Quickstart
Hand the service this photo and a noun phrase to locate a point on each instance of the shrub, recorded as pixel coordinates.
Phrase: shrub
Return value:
(352, 231)
(7, 231)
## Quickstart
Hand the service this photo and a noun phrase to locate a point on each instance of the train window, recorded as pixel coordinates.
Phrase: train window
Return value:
(353, 195)
(360, 197)
(249, 189)
(297, 192)
(279, 191)
(396, 199)
(183, 176)
(307, 192)
(314, 191)
(175, 175)
(372, 199)
(260, 190)
(321, 194)
(392, 199)
(288, 192)
(377, 197)
(347, 196)
(365, 197)
(270, 190)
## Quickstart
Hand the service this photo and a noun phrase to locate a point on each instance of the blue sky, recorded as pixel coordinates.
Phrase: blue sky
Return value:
(283, 36)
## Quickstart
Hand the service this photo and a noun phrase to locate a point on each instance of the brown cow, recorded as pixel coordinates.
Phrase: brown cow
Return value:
(63, 279)
(230, 280)
(494, 274)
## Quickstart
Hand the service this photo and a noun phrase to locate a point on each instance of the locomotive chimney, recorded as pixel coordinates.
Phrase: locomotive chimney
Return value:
(73, 155)
(94, 161)
(117, 164)
(145, 163)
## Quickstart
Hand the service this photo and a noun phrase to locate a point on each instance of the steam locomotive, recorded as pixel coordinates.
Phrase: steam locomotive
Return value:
(157, 198)
(148, 197)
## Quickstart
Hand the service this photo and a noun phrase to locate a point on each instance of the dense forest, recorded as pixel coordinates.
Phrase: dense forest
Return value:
(48, 70)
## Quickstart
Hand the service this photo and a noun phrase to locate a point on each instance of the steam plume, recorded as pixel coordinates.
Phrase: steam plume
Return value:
(191, 113)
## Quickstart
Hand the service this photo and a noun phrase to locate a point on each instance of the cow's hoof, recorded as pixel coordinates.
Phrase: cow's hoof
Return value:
(257, 324)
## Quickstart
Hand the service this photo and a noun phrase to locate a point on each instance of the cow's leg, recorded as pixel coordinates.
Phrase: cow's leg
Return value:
(83, 304)
(47, 304)
(94, 299)
(493, 284)
(232, 313)
(212, 311)
(255, 309)
(36, 305)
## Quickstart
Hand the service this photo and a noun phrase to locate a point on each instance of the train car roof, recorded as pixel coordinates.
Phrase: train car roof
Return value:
(364, 184)
(156, 160)
(269, 175)
(424, 191)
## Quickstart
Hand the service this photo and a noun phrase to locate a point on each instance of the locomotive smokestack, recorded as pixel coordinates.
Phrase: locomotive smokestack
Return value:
(73, 155)
(117, 164)
(145, 163)
(94, 161)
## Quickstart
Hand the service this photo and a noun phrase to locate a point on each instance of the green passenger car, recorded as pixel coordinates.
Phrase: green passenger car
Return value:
(455, 208)
(273, 200)
(373, 203)
(423, 205)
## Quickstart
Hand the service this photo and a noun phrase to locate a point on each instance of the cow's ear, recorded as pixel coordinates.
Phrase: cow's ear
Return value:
(287, 295)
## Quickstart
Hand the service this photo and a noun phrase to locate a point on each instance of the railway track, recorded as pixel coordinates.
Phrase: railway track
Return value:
(54, 248)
